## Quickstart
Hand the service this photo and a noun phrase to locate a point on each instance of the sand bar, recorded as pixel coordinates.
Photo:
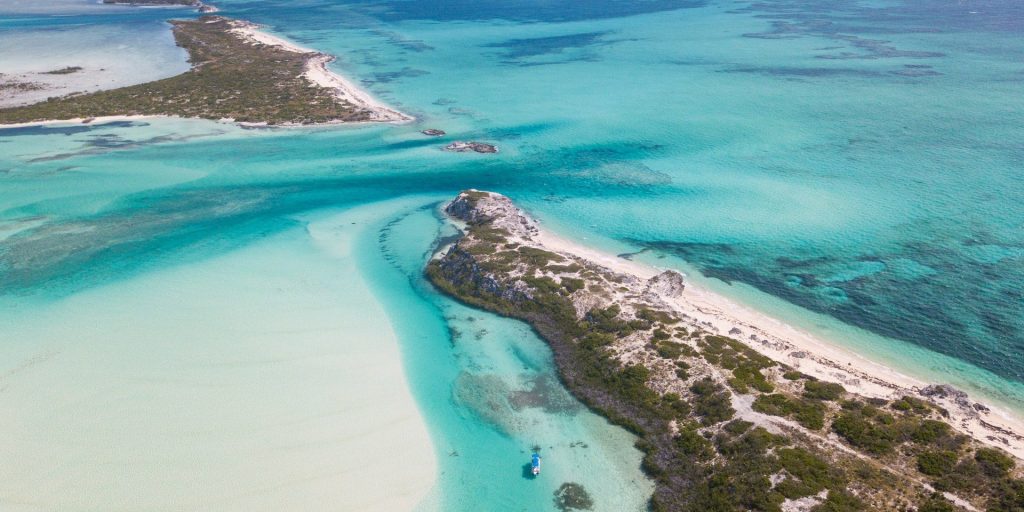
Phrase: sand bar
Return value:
(264, 379)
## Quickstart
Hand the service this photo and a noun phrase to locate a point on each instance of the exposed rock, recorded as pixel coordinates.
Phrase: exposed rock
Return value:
(669, 283)
(944, 391)
(940, 391)
(465, 147)
(433, 132)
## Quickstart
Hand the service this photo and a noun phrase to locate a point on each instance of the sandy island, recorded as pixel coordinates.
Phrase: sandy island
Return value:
(315, 73)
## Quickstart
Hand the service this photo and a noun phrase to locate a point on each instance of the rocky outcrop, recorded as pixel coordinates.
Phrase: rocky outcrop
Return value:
(466, 147)
(668, 283)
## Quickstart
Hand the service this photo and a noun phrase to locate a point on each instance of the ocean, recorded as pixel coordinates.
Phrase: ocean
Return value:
(852, 168)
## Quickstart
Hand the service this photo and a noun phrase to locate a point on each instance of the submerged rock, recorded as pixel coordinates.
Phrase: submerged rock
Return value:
(465, 147)
(433, 132)
(572, 496)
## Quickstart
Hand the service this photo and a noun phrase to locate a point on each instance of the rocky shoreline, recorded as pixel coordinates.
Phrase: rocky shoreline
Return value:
(472, 146)
(723, 426)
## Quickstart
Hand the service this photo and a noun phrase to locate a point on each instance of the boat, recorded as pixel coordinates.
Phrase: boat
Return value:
(535, 464)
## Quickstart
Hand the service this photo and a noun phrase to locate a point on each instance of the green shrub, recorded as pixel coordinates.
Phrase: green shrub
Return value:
(712, 402)
(670, 349)
(993, 462)
(1009, 497)
(488, 233)
(840, 501)
(936, 503)
(862, 433)
(930, 431)
(818, 390)
(909, 403)
(572, 284)
(775, 405)
(692, 444)
(594, 340)
(737, 427)
(967, 475)
(792, 375)
(809, 413)
(607, 320)
(482, 248)
(675, 406)
(538, 257)
(936, 462)
(812, 473)
(746, 376)
(652, 315)
(543, 284)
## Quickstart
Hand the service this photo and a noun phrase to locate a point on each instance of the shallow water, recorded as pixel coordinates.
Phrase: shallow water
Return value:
(850, 167)
(114, 47)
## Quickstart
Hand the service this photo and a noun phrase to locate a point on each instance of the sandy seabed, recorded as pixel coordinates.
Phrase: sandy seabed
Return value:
(267, 378)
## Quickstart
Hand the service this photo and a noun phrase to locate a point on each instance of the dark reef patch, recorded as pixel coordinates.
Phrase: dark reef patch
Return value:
(23, 131)
(384, 77)
(932, 311)
(518, 52)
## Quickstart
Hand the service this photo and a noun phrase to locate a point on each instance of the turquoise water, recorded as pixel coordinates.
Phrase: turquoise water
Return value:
(853, 167)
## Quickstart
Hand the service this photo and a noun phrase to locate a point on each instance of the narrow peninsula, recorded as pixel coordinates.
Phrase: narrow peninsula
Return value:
(732, 412)
(238, 73)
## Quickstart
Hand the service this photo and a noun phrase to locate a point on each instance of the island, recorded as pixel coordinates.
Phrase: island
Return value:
(466, 147)
(200, 6)
(238, 74)
(733, 411)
